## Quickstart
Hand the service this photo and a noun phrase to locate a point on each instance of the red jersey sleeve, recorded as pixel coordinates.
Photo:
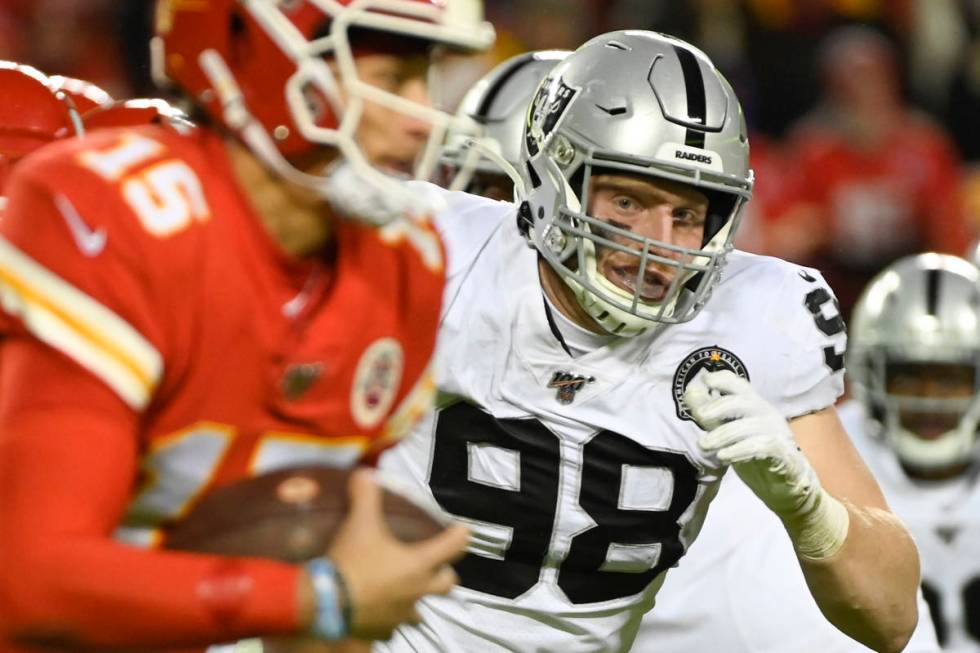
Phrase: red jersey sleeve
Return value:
(82, 353)
(70, 275)
(423, 265)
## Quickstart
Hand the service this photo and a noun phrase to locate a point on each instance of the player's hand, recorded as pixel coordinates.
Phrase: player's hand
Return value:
(386, 577)
(744, 430)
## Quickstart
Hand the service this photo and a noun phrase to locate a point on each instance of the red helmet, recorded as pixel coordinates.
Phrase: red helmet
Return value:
(133, 113)
(258, 67)
(31, 114)
(85, 95)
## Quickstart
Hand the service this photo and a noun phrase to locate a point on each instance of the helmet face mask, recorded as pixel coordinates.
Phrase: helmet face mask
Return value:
(616, 106)
(914, 361)
(282, 77)
(571, 241)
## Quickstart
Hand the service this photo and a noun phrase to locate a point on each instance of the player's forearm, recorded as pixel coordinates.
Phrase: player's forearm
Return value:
(867, 588)
(86, 594)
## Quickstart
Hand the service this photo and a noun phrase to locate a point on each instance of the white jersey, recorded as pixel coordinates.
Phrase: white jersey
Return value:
(581, 477)
(741, 585)
(944, 518)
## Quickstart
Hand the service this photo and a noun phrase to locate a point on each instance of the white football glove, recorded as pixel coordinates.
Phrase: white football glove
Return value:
(747, 432)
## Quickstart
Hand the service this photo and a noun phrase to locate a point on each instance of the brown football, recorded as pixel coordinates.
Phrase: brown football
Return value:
(290, 515)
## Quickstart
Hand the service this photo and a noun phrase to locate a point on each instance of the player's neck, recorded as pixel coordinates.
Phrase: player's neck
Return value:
(561, 297)
(298, 220)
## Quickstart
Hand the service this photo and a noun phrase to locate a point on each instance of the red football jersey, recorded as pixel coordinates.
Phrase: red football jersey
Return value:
(879, 203)
(162, 343)
(881, 199)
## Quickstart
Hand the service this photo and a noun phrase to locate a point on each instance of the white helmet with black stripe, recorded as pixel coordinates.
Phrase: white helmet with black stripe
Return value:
(495, 109)
(634, 103)
(921, 311)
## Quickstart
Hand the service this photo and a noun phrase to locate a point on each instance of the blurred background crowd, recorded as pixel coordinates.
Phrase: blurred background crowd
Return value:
(863, 112)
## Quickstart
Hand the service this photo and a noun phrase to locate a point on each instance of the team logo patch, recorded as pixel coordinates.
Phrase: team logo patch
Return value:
(376, 381)
(568, 385)
(713, 359)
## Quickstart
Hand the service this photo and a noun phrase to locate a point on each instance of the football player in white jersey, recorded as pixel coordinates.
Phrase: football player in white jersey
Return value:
(576, 375)
(740, 583)
(915, 371)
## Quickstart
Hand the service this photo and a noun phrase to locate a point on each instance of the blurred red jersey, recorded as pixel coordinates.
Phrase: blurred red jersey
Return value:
(162, 343)
(881, 202)
(887, 199)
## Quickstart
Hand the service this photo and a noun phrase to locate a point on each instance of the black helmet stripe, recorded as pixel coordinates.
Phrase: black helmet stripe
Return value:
(694, 86)
(933, 277)
(484, 109)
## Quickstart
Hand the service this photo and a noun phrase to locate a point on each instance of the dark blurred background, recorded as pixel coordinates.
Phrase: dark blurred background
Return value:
(862, 112)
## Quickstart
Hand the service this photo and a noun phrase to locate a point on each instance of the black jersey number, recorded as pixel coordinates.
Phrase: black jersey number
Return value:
(528, 510)
(970, 595)
(829, 326)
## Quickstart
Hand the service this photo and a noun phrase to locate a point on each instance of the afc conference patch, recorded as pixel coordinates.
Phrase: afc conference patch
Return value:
(713, 359)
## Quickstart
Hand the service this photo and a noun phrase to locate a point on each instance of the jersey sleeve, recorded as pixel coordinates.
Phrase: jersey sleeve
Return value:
(83, 351)
(466, 223)
(68, 455)
(813, 340)
(73, 276)
(419, 256)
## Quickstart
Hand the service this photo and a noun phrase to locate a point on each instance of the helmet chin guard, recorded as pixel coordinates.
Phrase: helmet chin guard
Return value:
(644, 105)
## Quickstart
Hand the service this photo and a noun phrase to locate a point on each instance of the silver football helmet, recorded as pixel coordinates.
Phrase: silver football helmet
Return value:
(634, 103)
(495, 108)
(973, 253)
(920, 310)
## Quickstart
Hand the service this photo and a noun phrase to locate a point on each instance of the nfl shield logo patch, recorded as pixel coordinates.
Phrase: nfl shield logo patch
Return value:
(568, 385)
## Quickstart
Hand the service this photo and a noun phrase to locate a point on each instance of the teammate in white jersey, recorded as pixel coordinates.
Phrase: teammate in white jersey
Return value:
(740, 585)
(571, 374)
(915, 368)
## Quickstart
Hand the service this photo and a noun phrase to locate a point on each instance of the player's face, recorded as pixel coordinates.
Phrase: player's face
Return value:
(930, 381)
(392, 140)
(660, 210)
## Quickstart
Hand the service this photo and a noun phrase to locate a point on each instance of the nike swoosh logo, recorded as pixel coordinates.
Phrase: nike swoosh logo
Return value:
(91, 243)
